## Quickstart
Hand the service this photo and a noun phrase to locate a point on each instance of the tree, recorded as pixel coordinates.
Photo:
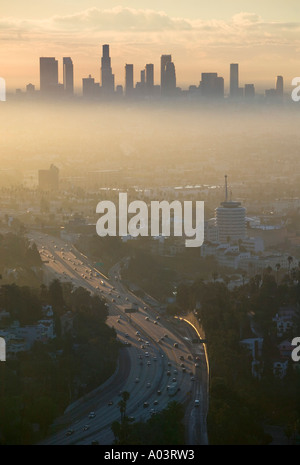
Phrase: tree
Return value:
(277, 266)
(290, 261)
(123, 404)
(56, 295)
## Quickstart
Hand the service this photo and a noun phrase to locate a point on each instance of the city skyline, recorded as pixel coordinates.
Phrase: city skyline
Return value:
(211, 85)
(263, 41)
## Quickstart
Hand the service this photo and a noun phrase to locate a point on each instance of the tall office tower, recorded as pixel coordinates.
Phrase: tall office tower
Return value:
(170, 76)
(149, 77)
(107, 77)
(230, 219)
(68, 72)
(128, 80)
(30, 88)
(234, 80)
(164, 59)
(119, 91)
(143, 77)
(48, 75)
(49, 179)
(249, 91)
(90, 88)
(211, 85)
(279, 86)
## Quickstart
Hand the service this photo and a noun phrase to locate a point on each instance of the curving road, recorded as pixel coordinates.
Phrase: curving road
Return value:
(148, 364)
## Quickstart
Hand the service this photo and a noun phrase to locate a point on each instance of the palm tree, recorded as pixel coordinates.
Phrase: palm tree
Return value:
(290, 260)
(277, 266)
(122, 404)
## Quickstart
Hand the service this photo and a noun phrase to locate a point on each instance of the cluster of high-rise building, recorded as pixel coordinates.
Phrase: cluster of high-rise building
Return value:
(211, 85)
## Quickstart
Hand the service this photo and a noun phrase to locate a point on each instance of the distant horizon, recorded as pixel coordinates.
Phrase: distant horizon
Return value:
(263, 39)
(260, 84)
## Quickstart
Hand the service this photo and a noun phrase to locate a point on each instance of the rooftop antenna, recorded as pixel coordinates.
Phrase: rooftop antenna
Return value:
(226, 189)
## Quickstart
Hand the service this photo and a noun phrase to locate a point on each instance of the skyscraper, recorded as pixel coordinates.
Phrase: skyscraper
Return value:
(234, 80)
(128, 80)
(90, 88)
(211, 85)
(168, 76)
(279, 86)
(68, 73)
(249, 91)
(49, 179)
(164, 59)
(107, 77)
(48, 75)
(149, 77)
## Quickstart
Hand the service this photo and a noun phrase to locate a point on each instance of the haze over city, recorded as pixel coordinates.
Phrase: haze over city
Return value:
(263, 38)
(113, 330)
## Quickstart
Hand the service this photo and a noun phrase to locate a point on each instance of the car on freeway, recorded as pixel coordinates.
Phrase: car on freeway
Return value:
(69, 432)
(86, 427)
(148, 385)
(159, 392)
(92, 415)
(137, 380)
(110, 402)
(146, 404)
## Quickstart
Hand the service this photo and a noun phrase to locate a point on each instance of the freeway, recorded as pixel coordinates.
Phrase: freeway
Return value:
(153, 356)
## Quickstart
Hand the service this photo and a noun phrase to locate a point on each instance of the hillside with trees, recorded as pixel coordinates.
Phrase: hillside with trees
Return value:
(242, 403)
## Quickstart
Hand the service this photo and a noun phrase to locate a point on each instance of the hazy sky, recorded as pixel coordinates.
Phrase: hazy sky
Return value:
(263, 36)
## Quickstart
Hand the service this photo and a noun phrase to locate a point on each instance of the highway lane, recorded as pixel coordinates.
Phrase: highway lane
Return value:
(66, 263)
